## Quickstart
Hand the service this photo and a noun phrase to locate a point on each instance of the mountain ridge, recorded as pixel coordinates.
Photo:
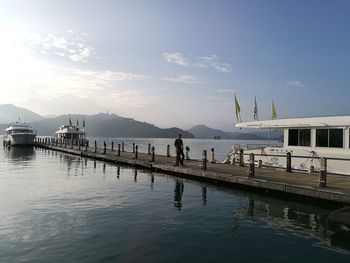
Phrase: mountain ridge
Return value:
(202, 131)
(11, 113)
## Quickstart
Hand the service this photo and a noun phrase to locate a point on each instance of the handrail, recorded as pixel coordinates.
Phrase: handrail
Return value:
(298, 156)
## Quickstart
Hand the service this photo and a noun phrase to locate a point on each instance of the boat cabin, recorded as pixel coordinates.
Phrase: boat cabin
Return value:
(16, 128)
(70, 133)
(322, 133)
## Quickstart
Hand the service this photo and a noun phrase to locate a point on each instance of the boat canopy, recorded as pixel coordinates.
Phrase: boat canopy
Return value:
(18, 126)
(310, 122)
(70, 130)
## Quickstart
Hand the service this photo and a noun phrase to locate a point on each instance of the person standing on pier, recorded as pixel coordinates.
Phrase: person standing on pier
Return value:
(180, 156)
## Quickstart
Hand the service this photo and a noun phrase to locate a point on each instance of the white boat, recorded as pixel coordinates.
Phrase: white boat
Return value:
(19, 134)
(71, 134)
(308, 139)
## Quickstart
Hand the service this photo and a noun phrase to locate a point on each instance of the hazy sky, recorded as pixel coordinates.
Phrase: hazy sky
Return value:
(176, 63)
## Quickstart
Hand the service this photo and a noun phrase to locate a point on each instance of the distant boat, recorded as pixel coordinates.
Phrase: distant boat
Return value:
(217, 137)
(71, 134)
(308, 139)
(19, 134)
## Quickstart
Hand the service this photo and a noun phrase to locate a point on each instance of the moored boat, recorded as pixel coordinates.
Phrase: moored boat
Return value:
(308, 140)
(71, 135)
(19, 134)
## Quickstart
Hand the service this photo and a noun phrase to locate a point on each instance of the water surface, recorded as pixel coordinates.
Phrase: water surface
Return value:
(62, 208)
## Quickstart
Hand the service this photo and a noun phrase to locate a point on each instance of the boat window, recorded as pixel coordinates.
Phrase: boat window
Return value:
(304, 137)
(293, 137)
(329, 138)
(299, 137)
(336, 138)
(321, 138)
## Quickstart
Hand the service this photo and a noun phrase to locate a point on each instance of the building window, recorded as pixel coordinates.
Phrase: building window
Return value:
(330, 138)
(299, 137)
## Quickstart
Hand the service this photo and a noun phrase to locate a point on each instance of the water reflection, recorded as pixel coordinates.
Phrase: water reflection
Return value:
(298, 219)
(152, 181)
(204, 195)
(178, 193)
(277, 215)
(135, 175)
(118, 171)
(20, 155)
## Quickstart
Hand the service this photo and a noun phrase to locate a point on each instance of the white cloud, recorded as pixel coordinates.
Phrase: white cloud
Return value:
(71, 46)
(295, 84)
(212, 61)
(52, 41)
(81, 55)
(186, 79)
(201, 62)
(176, 58)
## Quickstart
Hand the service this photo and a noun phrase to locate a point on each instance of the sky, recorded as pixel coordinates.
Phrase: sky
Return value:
(176, 63)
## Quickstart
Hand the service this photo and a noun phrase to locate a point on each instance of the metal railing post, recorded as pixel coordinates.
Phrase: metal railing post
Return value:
(241, 157)
(289, 162)
(204, 160)
(153, 154)
(251, 165)
(323, 172)
(187, 151)
(168, 150)
(118, 152)
(213, 155)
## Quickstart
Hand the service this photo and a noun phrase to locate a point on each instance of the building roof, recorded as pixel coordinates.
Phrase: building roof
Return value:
(334, 121)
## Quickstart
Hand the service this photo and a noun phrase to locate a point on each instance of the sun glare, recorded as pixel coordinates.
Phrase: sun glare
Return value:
(21, 69)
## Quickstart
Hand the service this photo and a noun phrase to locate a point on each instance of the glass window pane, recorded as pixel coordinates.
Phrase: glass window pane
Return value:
(322, 138)
(336, 138)
(304, 137)
(293, 137)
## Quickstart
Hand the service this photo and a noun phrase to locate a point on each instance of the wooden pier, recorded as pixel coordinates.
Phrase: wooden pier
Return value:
(333, 188)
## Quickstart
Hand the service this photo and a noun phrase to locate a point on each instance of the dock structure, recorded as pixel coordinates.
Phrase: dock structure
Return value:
(334, 188)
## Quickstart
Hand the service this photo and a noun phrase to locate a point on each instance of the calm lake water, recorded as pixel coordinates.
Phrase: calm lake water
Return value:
(62, 208)
(221, 147)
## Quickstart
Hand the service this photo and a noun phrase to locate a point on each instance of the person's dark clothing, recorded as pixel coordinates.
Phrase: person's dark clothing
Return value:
(180, 156)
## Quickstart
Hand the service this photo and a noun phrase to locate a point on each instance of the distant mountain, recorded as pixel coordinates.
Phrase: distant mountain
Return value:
(108, 125)
(205, 132)
(11, 113)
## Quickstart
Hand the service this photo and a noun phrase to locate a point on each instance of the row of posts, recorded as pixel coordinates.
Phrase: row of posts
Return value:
(151, 151)
(251, 172)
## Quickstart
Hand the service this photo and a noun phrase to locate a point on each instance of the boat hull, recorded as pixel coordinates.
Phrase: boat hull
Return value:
(19, 139)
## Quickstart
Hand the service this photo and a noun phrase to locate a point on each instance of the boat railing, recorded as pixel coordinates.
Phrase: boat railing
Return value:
(311, 162)
(253, 146)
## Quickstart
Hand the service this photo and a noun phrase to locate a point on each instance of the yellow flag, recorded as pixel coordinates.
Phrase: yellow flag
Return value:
(273, 111)
(238, 110)
(256, 118)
